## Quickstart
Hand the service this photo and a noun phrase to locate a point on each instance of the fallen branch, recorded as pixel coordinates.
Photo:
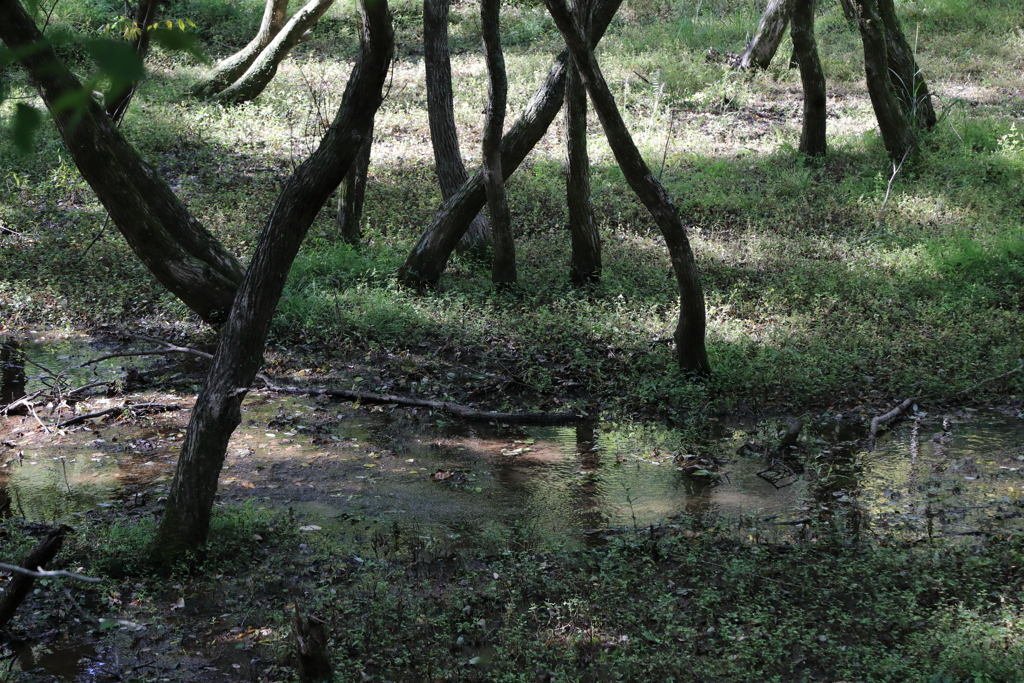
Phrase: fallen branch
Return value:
(901, 408)
(43, 573)
(117, 410)
(888, 417)
(18, 589)
(455, 409)
(165, 348)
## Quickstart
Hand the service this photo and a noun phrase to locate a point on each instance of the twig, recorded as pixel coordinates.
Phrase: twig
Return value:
(43, 573)
(888, 188)
(138, 407)
(1019, 367)
(452, 408)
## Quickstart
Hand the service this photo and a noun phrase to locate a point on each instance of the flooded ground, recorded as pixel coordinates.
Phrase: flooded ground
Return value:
(953, 474)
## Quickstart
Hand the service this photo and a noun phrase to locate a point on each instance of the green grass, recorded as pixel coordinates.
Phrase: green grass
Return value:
(818, 289)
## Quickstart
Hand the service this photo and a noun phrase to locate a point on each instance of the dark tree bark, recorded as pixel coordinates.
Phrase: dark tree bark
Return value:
(262, 70)
(425, 264)
(444, 136)
(352, 193)
(41, 555)
(175, 247)
(585, 265)
(311, 647)
(12, 372)
(186, 519)
(145, 15)
(230, 69)
(503, 270)
(770, 30)
(897, 134)
(812, 138)
(689, 334)
(903, 70)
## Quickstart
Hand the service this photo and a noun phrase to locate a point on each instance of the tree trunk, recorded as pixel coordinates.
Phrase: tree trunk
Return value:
(229, 69)
(425, 264)
(12, 373)
(186, 519)
(770, 31)
(352, 193)
(903, 70)
(144, 18)
(585, 265)
(689, 335)
(175, 247)
(812, 139)
(259, 74)
(503, 270)
(444, 136)
(897, 134)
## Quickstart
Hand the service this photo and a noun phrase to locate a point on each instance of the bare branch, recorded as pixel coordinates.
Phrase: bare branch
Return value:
(43, 573)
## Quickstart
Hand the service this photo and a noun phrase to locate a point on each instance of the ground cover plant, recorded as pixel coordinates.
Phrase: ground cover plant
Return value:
(829, 284)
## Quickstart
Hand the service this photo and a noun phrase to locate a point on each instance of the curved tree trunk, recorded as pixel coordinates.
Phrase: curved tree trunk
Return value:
(352, 193)
(812, 138)
(426, 262)
(903, 70)
(186, 520)
(689, 334)
(585, 265)
(259, 74)
(228, 70)
(451, 171)
(175, 247)
(897, 134)
(770, 30)
(145, 15)
(503, 270)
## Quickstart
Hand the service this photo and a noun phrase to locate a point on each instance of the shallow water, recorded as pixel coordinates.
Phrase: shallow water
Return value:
(952, 475)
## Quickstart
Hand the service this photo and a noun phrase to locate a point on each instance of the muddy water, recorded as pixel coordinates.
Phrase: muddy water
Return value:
(953, 474)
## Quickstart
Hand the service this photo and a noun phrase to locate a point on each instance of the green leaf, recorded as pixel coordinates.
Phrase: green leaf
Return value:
(117, 60)
(179, 41)
(27, 120)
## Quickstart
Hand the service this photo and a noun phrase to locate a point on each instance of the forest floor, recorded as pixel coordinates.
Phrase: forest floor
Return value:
(834, 290)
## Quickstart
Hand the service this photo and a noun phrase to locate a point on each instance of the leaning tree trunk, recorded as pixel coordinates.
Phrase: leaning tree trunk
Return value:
(812, 138)
(444, 136)
(145, 15)
(897, 133)
(426, 262)
(903, 70)
(770, 31)
(585, 264)
(503, 270)
(228, 70)
(259, 74)
(186, 521)
(352, 193)
(175, 247)
(689, 334)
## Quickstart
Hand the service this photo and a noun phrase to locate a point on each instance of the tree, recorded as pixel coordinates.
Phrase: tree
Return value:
(352, 193)
(689, 334)
(503, 270)
(145, 15)
(186, 521)
(444, 137)
(812, 137)
(426, 262)
(258, 65)
(770, 30)
(897, 134)
(585, 265)
(176, 248)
